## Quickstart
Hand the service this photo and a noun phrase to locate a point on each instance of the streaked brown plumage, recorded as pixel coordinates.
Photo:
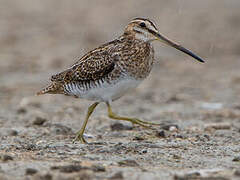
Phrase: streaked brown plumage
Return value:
(107, 63)
(109, 71)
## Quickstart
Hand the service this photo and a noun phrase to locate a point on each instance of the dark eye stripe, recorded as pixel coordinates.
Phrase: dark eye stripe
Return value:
(153, 25)
(138, 31)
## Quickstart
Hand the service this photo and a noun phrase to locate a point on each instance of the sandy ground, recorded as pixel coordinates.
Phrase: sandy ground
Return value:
(197, 104)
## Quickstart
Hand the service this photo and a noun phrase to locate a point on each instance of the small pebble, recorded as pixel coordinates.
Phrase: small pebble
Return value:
(30, 171)
(120, 127)
(170, 127)
(30, 147)
(88, 135)
(236, 159)
(173, 129)
(12, 132)
(60, 129)
(6, 157)
(161, 134)
(144, 151)
(207, 137)
(21, 110)
(180, 136)
(174, 98)
(39, 121)
(175, 156)
(98, 168)
(138, 138)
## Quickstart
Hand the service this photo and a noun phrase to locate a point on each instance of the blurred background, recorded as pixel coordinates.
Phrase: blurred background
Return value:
(41, 38)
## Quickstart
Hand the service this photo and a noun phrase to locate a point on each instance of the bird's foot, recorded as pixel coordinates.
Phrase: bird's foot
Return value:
(79, 137)
(135, 121)
(145, 122)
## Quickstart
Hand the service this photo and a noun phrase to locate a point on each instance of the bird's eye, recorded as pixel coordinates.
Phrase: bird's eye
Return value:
(142, 24)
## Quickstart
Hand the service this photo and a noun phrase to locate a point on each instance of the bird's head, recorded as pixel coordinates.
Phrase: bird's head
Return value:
(145, 30)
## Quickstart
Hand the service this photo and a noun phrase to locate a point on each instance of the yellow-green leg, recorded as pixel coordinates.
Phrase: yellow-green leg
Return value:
(79, 135)
(112, 115)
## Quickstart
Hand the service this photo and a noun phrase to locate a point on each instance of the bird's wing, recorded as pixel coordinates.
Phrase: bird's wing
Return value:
(93, 66)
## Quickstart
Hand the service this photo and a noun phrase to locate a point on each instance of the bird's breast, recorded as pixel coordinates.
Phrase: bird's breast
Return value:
(139, 63)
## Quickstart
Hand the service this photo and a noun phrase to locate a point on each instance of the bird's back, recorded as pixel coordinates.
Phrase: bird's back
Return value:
(123, 58)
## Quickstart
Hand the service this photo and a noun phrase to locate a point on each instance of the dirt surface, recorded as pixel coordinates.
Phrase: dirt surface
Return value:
(197, 104)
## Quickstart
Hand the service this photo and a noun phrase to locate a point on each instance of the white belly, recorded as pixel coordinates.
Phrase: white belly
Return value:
(107, 92)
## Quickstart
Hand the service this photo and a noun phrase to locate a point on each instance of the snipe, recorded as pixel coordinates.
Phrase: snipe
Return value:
(111, 70)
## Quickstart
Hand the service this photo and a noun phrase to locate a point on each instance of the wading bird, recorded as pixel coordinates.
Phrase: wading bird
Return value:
(108, 72)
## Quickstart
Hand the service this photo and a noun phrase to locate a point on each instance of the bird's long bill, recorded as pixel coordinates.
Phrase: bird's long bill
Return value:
(177, 46)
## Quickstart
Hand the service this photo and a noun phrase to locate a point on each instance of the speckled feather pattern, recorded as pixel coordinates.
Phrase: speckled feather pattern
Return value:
(112, 68)
(124, 57)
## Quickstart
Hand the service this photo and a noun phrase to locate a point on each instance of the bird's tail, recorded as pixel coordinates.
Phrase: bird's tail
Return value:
(53, 88)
